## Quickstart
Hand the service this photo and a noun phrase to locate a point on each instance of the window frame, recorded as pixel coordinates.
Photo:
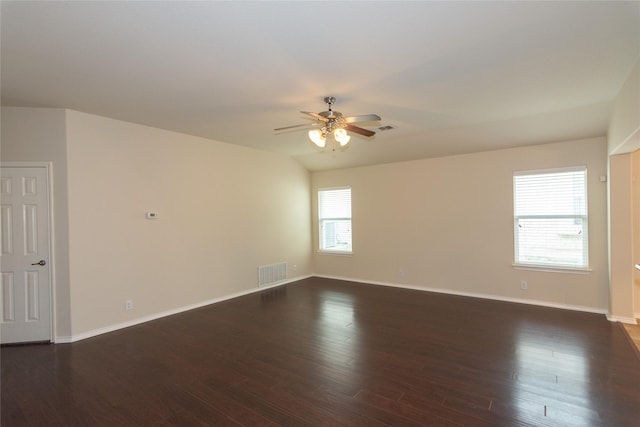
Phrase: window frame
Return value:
(583, 217)
(323, 220)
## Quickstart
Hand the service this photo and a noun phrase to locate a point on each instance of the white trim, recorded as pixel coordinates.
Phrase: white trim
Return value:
(155, 316)
(621, 319)
(551, 269)
(561, 169)
(321, 220)
(144, 319)
(48, 167)
(25, 164)
(583, 217)
(343, 187)
(474, 295)
(341, 253)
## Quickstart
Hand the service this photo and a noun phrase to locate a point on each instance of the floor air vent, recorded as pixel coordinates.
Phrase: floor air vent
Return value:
(273, 273)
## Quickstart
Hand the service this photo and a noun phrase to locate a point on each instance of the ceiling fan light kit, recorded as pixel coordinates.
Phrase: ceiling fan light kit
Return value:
(318, 138)
(334, 124)
(341, 136)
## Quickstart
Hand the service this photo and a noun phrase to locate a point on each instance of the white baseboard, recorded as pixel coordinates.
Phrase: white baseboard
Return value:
(144, 319)
(155, 316)
(629, 320)
(475, 295)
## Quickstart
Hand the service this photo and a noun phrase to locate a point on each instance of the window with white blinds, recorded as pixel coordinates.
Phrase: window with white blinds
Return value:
(550, 218)
(334, 215)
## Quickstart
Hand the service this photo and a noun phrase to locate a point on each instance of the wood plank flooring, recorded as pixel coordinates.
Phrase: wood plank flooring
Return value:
(633, 331)
(323, 352)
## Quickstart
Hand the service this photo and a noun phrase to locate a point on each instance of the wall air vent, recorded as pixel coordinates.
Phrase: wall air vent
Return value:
(273, 273)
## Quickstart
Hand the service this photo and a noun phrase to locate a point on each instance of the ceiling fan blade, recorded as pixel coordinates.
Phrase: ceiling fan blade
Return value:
(315, 116)
(362, 118)
(295, 126)
(361, 131)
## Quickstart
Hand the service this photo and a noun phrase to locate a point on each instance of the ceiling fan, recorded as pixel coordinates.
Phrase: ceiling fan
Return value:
(333, 122)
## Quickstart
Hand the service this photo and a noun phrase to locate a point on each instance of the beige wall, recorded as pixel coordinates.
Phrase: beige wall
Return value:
(623, 135)
(39, 135)
(621, 238)
(447, 223)
(623, 138)
(635, 167)
(224, 210)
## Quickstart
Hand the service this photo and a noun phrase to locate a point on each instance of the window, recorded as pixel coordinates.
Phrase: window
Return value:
(334, 215)
(550, 218)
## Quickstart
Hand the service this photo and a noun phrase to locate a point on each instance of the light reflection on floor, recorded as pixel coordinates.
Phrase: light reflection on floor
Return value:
(337, 334)
(546, 366)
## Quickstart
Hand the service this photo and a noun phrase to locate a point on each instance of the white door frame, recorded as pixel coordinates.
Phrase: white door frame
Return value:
(52, 276)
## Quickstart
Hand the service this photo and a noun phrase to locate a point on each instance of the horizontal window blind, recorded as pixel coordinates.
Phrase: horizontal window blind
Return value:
(558, 193)
(334, 214)
(550, 213)
(334, 203)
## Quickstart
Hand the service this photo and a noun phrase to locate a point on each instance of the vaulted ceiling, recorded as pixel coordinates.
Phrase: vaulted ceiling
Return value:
(449, 77)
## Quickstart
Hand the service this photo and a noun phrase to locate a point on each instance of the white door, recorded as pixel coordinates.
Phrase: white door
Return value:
(25, 287)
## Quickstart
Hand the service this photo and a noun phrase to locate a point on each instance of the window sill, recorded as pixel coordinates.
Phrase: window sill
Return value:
(341, 253)
(551, 269)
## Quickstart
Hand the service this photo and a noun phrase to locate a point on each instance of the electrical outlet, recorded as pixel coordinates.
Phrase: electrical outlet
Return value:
(128, 305)
(524, 285)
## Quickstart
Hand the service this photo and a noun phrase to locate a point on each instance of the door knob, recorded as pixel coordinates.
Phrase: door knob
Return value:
(41, 262)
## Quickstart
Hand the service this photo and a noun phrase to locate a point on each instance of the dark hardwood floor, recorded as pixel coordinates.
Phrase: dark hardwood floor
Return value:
(326, 352)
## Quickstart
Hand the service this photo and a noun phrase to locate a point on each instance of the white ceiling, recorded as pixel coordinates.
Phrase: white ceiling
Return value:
(452, 77)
